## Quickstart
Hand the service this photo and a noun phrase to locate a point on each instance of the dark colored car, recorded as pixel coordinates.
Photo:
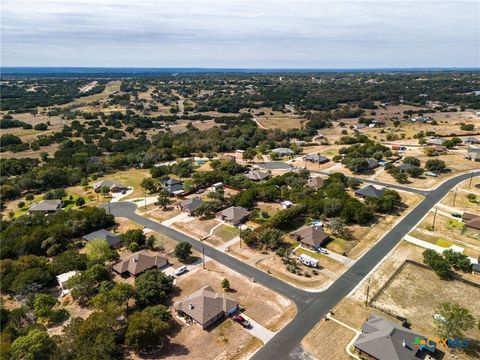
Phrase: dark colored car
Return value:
(242, 321)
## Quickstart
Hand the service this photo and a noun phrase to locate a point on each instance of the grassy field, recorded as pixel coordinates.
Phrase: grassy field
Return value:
(131, 178)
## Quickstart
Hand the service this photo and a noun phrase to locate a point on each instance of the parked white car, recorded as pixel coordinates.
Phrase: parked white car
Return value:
(439, 318)
(323, 251)
(180, 270)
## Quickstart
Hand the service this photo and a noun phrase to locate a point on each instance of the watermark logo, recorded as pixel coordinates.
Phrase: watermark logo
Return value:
(430, 344)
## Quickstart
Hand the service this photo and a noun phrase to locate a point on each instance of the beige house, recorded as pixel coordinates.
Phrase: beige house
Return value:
(139, 262)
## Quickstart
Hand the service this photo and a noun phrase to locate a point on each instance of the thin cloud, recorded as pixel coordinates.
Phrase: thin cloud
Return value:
(235, 33)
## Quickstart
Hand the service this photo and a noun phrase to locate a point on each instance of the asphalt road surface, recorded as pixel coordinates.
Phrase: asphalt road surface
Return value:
(311, 307)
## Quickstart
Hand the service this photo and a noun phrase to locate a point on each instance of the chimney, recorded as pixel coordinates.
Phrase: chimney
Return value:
(190, 306)
(404, 343)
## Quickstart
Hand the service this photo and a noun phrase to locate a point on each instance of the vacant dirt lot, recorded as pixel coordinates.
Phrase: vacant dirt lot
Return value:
(269, 262)
(404, 295)
(364, 237)
(405, 298)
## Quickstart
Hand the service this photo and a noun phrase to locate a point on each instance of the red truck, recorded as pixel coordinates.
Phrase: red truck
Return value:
(242, 321)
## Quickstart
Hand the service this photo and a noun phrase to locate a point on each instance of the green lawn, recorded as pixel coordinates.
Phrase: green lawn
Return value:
(455, 224)
(226, 233)
(444, 243)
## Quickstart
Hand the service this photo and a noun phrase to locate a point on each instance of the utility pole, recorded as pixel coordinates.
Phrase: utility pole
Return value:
(109, 211)
(434, 216)
(368, 291)
(145, 197)
(454, 197)
(470, 182)
(203, 256)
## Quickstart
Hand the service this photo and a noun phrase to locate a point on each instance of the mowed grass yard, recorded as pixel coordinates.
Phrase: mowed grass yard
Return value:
(131, 178)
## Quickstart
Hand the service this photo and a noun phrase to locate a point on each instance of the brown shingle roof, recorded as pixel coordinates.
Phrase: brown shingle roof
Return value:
(315, 182)
(139, 262)
(204, 305)
(474, 223)
(310, 235)
(466, 216)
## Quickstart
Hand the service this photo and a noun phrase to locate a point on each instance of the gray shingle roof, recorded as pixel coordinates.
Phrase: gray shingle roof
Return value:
(370, 191)
(205, 305)
(46, 205)
(107, 183)
(103, 234)
(384, 340)
(283, 151)
(234, 214)
(191, 204)
(256, 175)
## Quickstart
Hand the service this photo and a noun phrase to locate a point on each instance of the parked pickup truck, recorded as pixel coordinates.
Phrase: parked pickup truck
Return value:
(242, 321)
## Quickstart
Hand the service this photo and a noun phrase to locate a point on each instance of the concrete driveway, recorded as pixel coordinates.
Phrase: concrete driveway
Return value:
(258, 330)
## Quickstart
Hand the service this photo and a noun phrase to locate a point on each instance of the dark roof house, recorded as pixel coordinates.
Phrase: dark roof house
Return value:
(473, 223)
(316, 158)
(190, 205)
(113, 186)
(372, 163)
(233, 215)
(384, 340)
(173, 187)
(139, 262)
(466, 216)
(205, 307)
(471, 141)
(46, 206)
(112, 239)
(405, 167)
(370, 191)
(312, 237)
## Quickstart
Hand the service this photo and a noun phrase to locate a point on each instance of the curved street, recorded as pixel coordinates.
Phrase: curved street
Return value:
(311, 307)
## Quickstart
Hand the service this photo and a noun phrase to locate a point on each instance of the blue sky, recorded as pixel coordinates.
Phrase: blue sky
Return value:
(246, 34)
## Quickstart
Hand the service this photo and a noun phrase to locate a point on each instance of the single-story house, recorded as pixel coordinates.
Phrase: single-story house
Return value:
(370, 191)
(476, 269)
(473, 223)
(190, 205)
(112, 186)
(466, 216)
(405, 167)
(257, 175)
(311, 237)
(473, 154)
(434, 141)
(439, 149)
(46, 206)
(217, 186)
(471, 141)
(228, 157)
(174, 187)
(384, 340)
(399, 147)
(112, 239)
(233, 215)
(62, 280)
(286, 204)
(316, 158)
(372, 163)
(315, 182)
(205, 307)
(139, 262)
(283, 151)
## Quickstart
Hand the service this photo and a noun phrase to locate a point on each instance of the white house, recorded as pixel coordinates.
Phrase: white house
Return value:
(62, 280)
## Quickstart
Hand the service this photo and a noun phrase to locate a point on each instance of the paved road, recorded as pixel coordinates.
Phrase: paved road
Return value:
(127, 210)
(311, 307)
